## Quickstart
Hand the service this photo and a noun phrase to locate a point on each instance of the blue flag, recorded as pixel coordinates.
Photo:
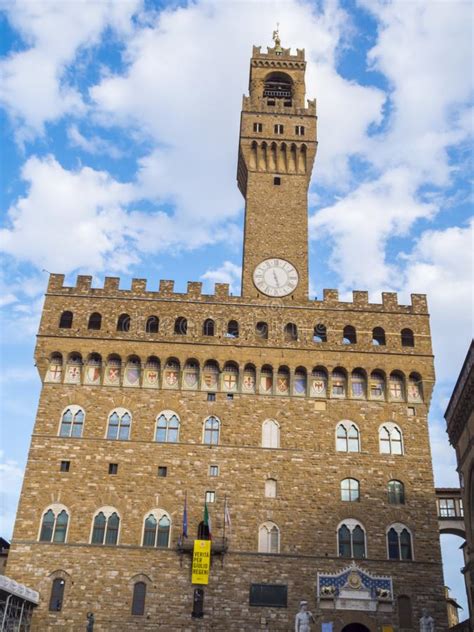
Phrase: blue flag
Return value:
(185, 517)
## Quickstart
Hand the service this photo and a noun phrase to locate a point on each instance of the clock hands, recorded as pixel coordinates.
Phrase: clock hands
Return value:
(276, 279)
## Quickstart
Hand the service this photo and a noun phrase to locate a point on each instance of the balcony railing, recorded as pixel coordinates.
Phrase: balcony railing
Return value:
(219, 546)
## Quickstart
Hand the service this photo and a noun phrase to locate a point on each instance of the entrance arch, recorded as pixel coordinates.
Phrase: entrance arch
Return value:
(355, 627)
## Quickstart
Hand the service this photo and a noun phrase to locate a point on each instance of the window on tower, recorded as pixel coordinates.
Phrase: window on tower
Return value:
(278, 85)
(279, 128)
(299, 130)
(258, 127)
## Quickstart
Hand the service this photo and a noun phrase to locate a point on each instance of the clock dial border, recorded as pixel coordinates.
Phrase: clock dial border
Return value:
(288, 286)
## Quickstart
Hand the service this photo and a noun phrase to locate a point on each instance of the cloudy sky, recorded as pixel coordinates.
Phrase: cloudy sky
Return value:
(119, 144)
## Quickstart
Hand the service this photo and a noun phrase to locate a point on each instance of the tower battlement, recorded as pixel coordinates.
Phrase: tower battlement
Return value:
(138, 290)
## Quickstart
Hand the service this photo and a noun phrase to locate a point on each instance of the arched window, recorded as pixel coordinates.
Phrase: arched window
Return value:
(54, 524)
(268, 538)
(211, 431)
(65, 322)
(396, 492)
(266, 379)
(339, 382)
(299, 384)
(208, 328)
(405, 617)
(57, 595)
(408, 339)
(261, 329)
(73, 369)
(106, 526)
(358, 384)
(378, 336)
(399, 542)
(123, 322)
(415, 390)
(396, 388)
(377, 385)
(138, 599)
(390, 439)
(347, 437)
(319, 382)
(55, 368)
(167, 427)
(181, 326)
(350, 490)
(119, 424)
(290, 332)
(156, 530)
(152, 325)
(349, 336)
(270, 434)
(113, 370)
(270, 488)
(351, 540)
(95, 321)
(210, 375)
(283, 381)
(230, 377)
(132, 372)
(320, 333)
(249, 379)
(232, 329)
(72, 422)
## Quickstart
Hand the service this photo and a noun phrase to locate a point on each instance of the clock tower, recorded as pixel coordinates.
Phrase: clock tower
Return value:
(277, 146)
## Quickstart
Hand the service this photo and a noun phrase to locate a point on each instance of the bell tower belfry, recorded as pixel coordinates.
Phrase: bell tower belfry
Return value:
(277, 147)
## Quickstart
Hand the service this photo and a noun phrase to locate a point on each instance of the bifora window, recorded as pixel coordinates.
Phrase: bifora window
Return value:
(351, 540)
(390, 439)
(106, 527)
(54, 524)
(211, 431)
(167, 427)
(268, 538)
(156, 530)
(119, 424)
(347, 437)
(72, 422)
(399, 543)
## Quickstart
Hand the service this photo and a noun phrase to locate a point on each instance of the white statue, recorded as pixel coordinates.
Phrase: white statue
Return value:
(426, 622)
(303, 618)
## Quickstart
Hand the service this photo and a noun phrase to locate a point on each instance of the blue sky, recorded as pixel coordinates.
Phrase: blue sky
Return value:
(119, 146)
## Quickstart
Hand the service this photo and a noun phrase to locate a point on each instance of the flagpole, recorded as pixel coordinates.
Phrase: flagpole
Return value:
(225, 507)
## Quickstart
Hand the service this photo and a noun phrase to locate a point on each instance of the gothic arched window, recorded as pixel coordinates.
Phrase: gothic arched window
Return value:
(106, 526)
(211, 431)
(138, 599)
(399, 544)
(167, 427)
(270, 434)
(157, 528)
(57, 595)
(390, 439)
(351, 540)
(347, 437)
(72, 422)
(54, 524)
(268, 538)
(119, 424)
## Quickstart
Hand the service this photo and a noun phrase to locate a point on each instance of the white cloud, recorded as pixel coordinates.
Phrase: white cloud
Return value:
(93, 144)
(228, 272)
(11, 476)
(33, 84)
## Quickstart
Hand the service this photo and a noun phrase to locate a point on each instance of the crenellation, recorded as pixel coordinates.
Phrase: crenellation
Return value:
(360, 298)
(55, 282)
(330, 297)
(390, 300)
(221, 290)
(194, 289)
(83, 283)
(138, 286)
(419, 303)
(166, 287)
(111, 284)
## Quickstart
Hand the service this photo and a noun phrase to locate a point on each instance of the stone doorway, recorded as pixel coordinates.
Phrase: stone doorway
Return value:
(355, 627)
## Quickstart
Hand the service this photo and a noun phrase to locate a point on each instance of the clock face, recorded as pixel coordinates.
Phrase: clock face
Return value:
(275, 277)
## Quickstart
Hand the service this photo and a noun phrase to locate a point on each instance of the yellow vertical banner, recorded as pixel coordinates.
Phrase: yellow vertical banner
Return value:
(387, 628)
(201, 562)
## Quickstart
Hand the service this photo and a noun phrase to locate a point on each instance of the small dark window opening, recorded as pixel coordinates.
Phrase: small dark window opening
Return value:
(113, 468)
(278, 128)
(65, 465)
(408, 339)
(320, 333)
(65, 322)
(162, 471)
(291, 332)
(277, 181)
(230, 395)
(138, 601)
(349, 335)
(203, 531)
(57, 595)
(378, 336)
(208, 329)
(123, 322)
(261, 330)
(233, 329)
(181, 326)
(211, 397)
(257, 127)
(270, 595)
(152, 325)
(95, 321)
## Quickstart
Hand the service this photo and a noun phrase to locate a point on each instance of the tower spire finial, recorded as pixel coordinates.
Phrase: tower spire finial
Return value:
(276, 37)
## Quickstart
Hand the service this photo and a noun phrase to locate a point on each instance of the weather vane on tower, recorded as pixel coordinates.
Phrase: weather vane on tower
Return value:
(276, 37)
